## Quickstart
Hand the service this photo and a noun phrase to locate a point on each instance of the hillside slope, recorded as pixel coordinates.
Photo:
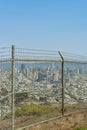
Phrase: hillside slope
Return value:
(69, 122)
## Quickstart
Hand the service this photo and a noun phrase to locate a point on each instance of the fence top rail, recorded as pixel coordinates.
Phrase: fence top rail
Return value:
(36, 60)
(41, 60)
(49, 60)
(37, 55)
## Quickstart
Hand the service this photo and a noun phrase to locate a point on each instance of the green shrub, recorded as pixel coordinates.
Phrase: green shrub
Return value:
(81, 129)
(35, 110)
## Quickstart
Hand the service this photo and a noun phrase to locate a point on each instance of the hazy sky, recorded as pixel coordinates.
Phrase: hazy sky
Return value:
(44, 24)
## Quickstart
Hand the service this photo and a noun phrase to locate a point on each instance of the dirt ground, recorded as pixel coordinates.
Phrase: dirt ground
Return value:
(70, 122)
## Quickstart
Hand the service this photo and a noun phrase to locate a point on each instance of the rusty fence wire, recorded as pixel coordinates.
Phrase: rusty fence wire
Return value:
(39, 85)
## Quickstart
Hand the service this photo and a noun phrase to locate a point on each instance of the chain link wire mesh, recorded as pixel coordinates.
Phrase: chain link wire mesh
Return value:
(5, 88)
(31, 86)
(38, 86)
(75, 83)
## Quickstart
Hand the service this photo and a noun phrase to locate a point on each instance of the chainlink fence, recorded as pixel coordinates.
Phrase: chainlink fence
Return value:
(37, 86)
(5, 88)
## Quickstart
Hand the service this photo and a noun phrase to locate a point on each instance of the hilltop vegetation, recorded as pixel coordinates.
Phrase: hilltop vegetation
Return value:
(35, 110)
(84, 128)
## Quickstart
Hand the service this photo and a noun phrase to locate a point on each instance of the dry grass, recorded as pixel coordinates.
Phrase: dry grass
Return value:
(70, 122)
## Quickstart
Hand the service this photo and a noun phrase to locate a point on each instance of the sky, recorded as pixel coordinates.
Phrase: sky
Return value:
(44, 24)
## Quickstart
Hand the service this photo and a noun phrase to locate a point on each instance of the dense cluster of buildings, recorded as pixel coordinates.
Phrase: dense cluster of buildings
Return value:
(41, 84)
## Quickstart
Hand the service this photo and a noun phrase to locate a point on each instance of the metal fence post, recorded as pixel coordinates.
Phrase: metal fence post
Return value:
(12, 87)
(62, 80)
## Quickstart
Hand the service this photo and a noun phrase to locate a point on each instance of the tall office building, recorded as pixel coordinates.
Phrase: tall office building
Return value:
(23, 69)
(23, 66)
